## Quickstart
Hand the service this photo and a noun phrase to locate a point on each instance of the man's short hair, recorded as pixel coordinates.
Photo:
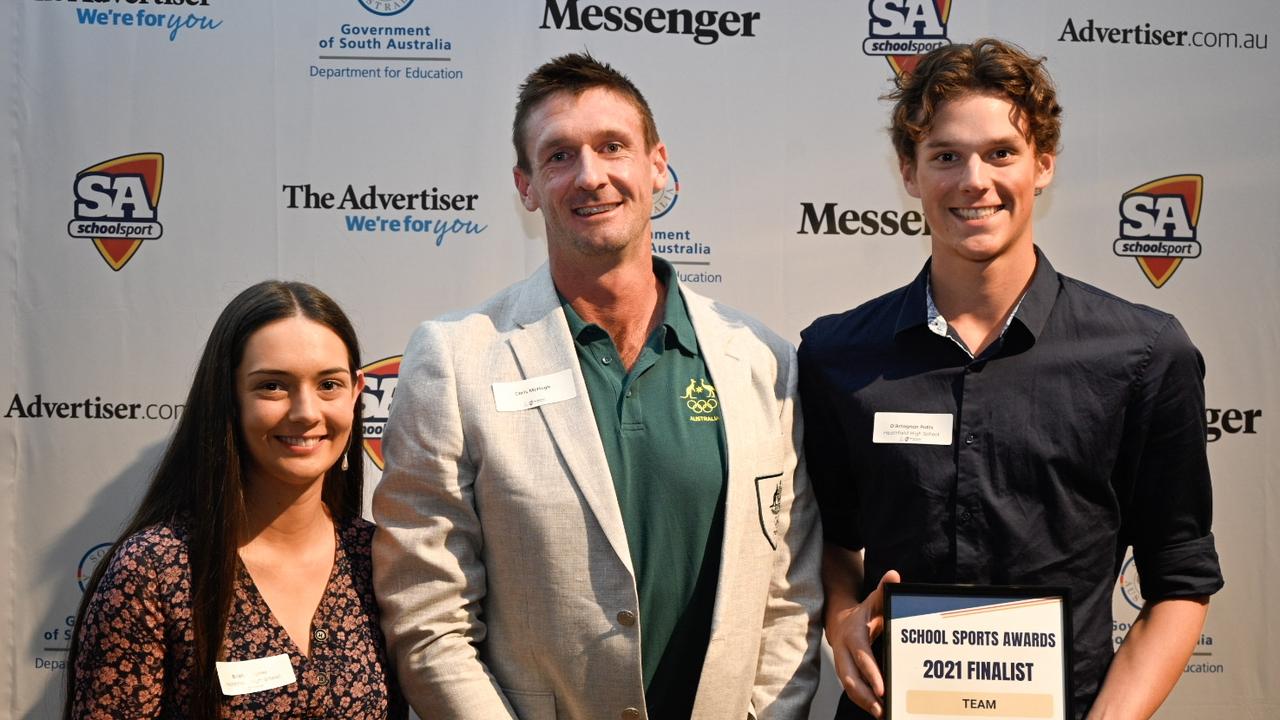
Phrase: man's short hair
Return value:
(575, 73)
(985, 66)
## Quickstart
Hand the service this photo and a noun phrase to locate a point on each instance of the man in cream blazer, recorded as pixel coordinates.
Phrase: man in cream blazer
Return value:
(547, 546)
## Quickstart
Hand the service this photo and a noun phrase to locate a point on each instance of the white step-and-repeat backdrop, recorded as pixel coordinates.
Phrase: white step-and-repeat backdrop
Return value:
(161, 155)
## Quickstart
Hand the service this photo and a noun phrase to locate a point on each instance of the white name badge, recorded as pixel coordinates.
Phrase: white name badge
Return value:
(531, 393)
(242, 677)
(905, 428)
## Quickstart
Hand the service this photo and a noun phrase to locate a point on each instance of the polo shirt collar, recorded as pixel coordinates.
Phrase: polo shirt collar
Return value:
(1031, 313)
(675, 315)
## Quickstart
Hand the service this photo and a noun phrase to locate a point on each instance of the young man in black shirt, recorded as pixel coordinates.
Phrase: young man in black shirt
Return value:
(1074, 418)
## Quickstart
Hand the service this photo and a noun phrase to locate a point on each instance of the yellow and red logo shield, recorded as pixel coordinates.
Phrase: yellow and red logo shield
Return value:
(1158, 222)
(906, 64)
(116, 204)
(380, 378)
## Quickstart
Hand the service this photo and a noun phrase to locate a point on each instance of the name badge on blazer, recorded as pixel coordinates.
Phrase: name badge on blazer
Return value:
(533, 392)
(241, 677)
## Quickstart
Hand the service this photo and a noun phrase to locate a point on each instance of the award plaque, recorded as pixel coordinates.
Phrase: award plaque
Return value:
(972, 651)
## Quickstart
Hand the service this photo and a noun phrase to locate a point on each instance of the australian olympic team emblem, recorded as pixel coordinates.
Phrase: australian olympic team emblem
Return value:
(903, 30)
(116, 205)
(385, 7)
(1158, 223)
(700, 396)
(665, 199)
(380, 378)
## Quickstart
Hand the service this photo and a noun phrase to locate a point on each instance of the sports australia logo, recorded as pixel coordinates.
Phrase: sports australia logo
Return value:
(380, 378)
(700, 398)
(1158, 225)
(116, 205)
(902, 30)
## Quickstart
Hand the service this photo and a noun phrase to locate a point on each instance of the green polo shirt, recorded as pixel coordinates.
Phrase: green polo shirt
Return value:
(661, 428)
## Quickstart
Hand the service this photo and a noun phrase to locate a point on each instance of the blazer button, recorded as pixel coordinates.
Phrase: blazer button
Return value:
(627, 618)
(631, 714)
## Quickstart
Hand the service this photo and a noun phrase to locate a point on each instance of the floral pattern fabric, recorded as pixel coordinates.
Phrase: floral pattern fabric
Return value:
(136, 652)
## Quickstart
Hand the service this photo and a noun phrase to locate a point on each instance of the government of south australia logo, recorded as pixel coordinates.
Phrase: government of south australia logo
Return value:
(1158, 223)
(380, 379)
(665, 199)
(1130, 585)
(385, 7)
(89, 562)
(116, 205)
(902, 30)
(700, 398)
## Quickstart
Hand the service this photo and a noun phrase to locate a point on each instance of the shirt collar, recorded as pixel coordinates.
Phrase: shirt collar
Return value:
(1031, 313)
(675, 315)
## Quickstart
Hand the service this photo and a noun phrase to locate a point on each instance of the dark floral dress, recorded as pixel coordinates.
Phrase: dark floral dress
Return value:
(136, 660)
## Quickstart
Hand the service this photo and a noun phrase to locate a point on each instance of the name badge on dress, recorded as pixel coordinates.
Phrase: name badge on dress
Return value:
(241, 677)
(906, 428)
(533, 392)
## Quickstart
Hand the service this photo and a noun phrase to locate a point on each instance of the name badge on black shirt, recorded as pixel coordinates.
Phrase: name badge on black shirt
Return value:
(906, 428)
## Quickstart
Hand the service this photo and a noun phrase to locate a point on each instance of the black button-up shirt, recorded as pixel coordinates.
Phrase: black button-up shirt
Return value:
(1078, 433)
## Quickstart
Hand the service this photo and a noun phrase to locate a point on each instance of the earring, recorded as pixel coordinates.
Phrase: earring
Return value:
(1038, 191)
(345, 466)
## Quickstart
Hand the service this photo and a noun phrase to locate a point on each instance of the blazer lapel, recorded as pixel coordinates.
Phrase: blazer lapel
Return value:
(544, 346)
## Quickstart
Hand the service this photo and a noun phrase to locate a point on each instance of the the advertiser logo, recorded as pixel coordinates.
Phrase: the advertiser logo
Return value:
(142, 19)
(903, 30)
(1158, 223)
(385, 7)
(1092, 32)
(830, 220)
(432, 213)
(116, 205)
(37, 407)
(705, 26)
(380, 378)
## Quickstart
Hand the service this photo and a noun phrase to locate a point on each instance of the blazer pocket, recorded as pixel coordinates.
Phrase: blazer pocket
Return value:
(769, 505)
(531, 705)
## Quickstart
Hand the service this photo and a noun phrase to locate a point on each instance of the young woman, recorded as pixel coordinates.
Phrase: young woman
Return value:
(242, 586)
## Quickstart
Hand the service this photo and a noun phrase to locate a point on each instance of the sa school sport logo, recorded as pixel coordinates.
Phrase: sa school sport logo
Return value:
(903, 30)
(380, 378)
(1158, 223)
(116, 204)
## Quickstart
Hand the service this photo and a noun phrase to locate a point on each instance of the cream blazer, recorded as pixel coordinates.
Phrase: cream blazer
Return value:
(500, 560)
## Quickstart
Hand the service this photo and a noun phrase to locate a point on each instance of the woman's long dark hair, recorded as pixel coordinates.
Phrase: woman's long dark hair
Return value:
(200, 480)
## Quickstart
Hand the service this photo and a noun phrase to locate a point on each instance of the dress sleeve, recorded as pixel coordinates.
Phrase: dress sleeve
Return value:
(121, 661)
(1168, 520)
